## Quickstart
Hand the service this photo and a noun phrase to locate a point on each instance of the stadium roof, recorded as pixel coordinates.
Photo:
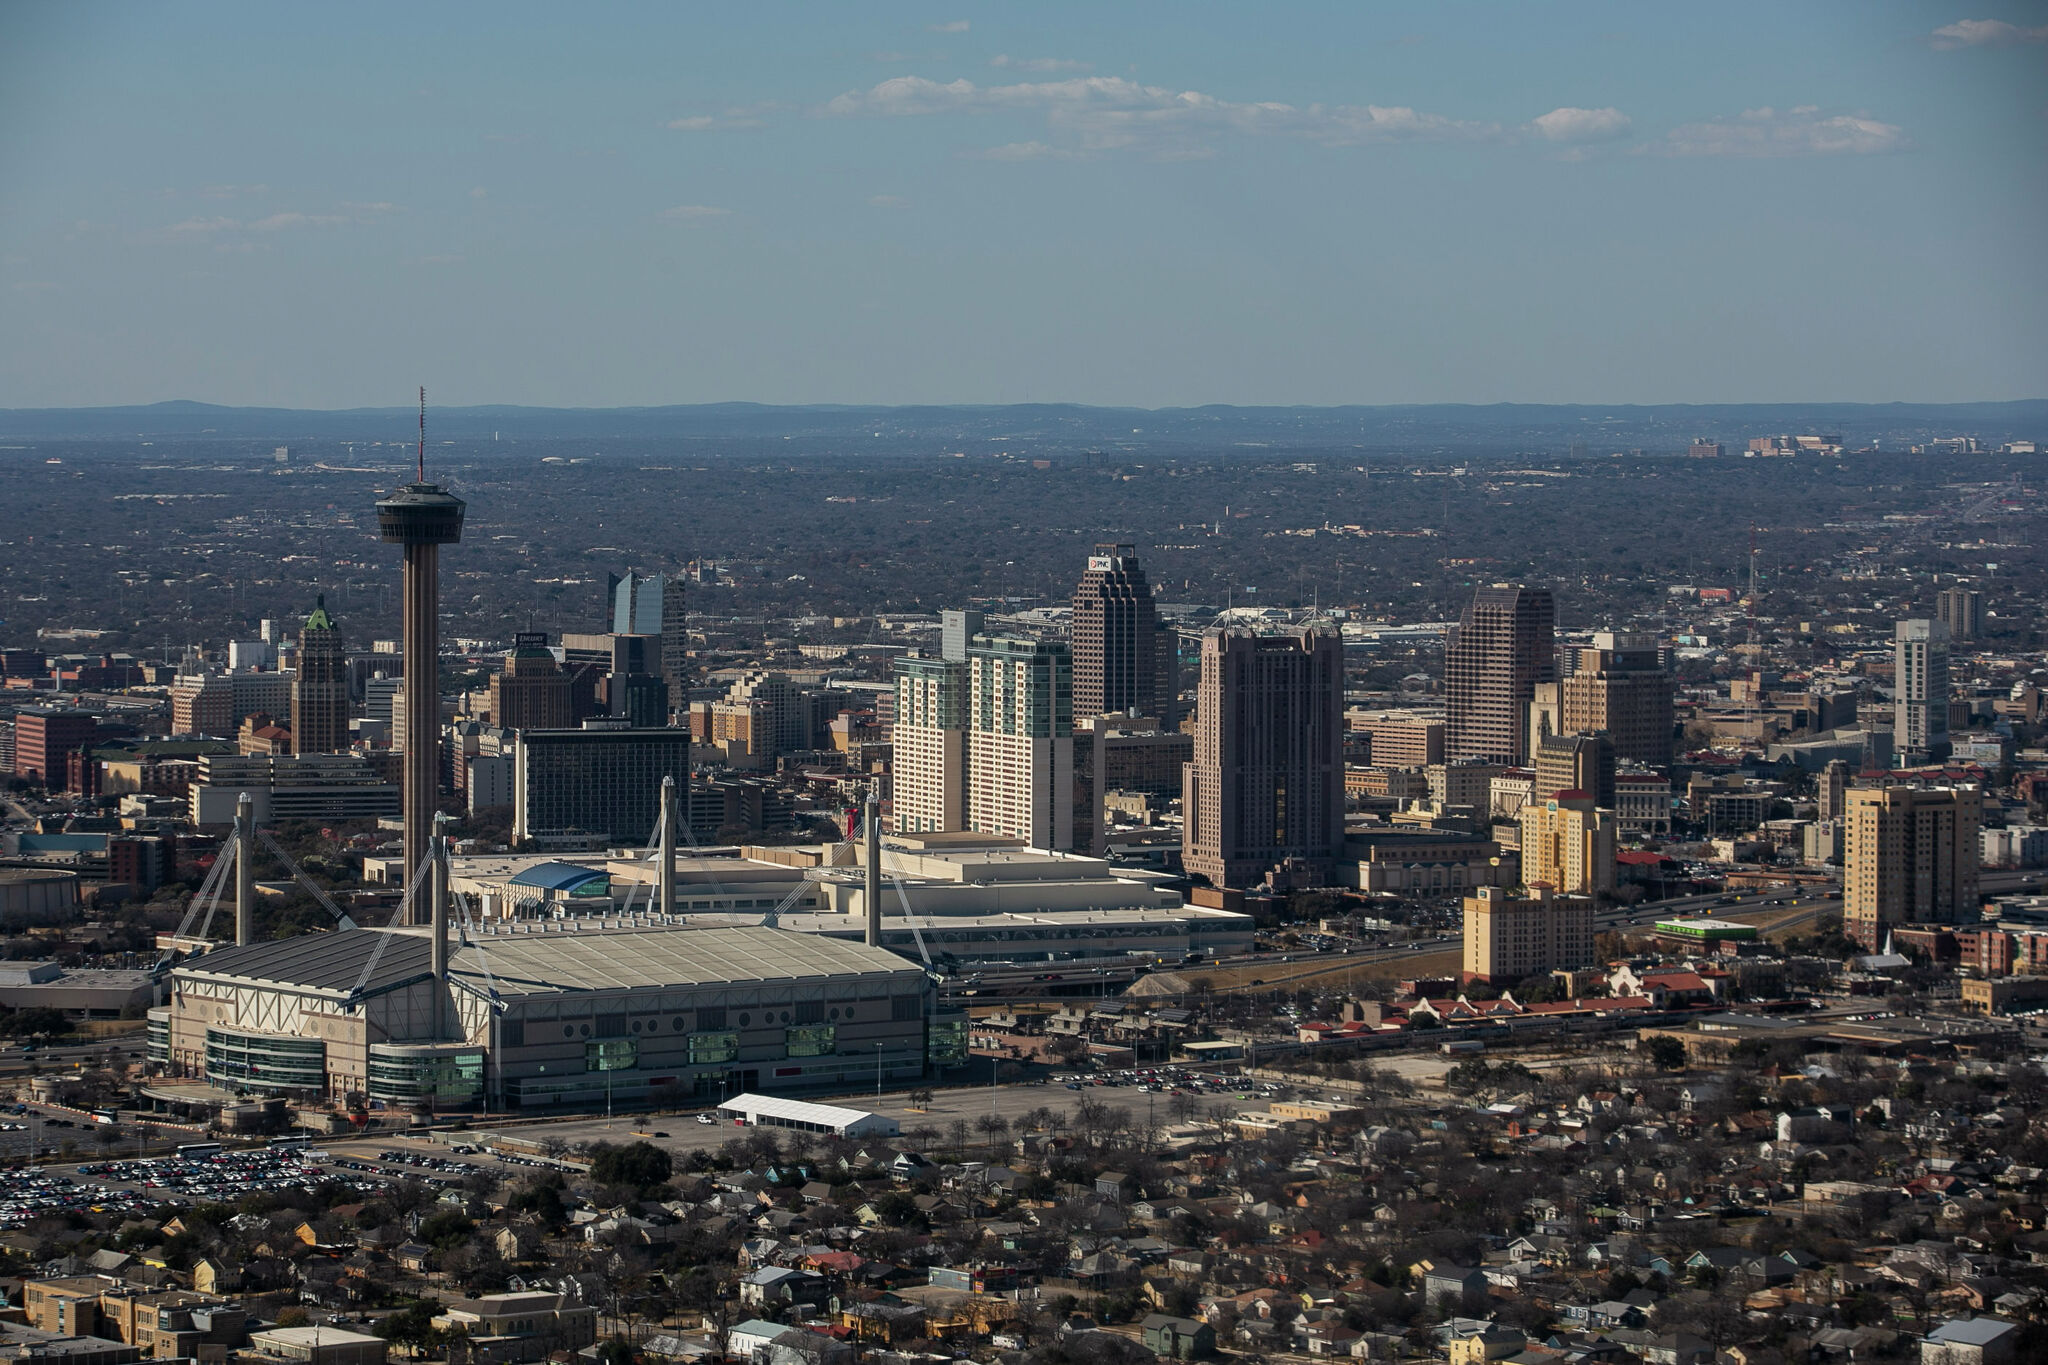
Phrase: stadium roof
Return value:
(533, 964)
(545, 963)
(322, 962)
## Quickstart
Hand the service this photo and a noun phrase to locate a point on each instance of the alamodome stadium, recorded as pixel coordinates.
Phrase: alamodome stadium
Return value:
(552, 1018)
(558, 1012)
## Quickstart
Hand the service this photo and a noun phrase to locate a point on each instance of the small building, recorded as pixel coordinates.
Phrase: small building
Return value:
(1178, 1338)
(21, 1342)
(518, 1327)
(769, 1111)
(1971, 1341)
(1494, 1341)
(321, 1345)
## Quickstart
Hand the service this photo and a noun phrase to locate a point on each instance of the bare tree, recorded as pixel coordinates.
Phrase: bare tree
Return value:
(992, 1126)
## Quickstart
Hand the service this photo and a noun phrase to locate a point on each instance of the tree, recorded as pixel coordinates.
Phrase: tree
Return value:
(636, 1165)
(412, 1325)
(992, 1126)
(446, 1230)
(1665, 1051)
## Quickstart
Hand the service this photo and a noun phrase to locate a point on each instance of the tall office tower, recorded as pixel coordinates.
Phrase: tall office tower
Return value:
(1621, 686)
(599, 783)
(320, 691)
(929, 746)
(675, 644)
(1920, 691)
(1962, 611)
(635, 603)
(1568, 845)
(1020, 740)
(422, 517)
(1116, 657)
(1582, 762)
(1912, 857)
(531, 692)
(1265, 792)
(1503, 647)
(957, 630)
(1832, 787)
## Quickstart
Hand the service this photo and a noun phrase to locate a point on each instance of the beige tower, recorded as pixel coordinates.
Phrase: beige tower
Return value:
(1568, 845)
(1621, 687)
(928, 744)
(1912, 858)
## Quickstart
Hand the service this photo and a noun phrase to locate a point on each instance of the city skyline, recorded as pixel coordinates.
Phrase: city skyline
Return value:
(1325, 205)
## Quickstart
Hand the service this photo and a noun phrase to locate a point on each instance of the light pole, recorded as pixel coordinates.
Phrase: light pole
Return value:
(878, 1069)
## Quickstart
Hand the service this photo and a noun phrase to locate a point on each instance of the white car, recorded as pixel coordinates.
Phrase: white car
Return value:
(706, 1118)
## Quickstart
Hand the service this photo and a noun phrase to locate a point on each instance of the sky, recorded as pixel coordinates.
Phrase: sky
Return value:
(1154, 204)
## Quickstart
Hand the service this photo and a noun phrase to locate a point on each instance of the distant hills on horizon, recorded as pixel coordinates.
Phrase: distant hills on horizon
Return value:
(1600, 427)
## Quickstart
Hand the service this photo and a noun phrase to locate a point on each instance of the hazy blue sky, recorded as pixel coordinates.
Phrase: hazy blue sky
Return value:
(323, 205)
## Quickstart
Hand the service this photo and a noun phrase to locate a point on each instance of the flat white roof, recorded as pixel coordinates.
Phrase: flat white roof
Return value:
(800, 1111)
(315, 1336)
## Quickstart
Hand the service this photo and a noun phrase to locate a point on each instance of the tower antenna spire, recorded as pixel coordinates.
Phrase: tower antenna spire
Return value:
(423, 433)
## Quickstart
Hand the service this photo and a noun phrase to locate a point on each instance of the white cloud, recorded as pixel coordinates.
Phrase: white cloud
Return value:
(1800, 131)
(231, 191)
(479, 192)
(225, 230)
(1985, 33)
(886, 201)
(1102, 113)
(278, 222)
(692, 213)
(1027, 151)
(740, 116)
(1006, 62)
(950, 26)
(1580, 125)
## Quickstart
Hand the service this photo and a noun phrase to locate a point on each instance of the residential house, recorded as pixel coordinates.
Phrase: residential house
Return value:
(1178, 1338)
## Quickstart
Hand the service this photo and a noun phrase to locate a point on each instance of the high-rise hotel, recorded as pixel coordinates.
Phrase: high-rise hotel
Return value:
(1266, 788)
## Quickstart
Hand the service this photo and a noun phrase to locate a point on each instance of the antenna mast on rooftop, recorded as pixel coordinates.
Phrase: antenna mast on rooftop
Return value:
(423, 437)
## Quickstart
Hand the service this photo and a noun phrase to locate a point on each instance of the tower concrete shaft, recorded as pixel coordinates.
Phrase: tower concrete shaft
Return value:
(871, 832)
(438, 919)
(665, 874)
(245, 870)
(421, 641)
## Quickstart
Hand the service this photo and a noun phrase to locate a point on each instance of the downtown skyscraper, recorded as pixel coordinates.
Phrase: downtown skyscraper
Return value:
(1020, 740)
(1504, 645)
(1116, 630)
(1265, 793)
(320, 691)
